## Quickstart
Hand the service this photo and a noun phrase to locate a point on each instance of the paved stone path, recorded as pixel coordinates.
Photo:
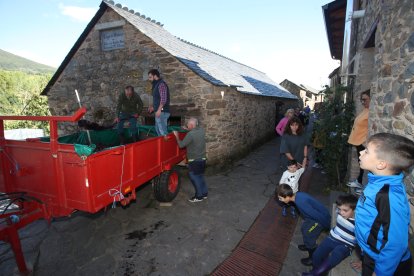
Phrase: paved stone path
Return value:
(148, 239)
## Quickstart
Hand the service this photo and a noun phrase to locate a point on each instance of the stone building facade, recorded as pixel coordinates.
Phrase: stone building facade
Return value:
(236, 106)
(381, 58)
(308, 95)
(384, 49)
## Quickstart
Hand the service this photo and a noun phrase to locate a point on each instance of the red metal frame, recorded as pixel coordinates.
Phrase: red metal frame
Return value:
(65, 182)
(29, 211)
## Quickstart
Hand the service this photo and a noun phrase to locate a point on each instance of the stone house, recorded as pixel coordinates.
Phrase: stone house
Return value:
(307, 94)
(235, 103)
(376, 39)
(334, 78)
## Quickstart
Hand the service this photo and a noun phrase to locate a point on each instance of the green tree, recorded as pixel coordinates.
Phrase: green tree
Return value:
(332, 128)
(20, 95)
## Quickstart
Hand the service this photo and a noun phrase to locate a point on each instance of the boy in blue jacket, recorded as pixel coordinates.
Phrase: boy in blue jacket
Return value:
(382, 215)
(316, 218)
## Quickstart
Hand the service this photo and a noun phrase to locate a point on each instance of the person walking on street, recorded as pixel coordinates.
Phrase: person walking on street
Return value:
(161, 102)
(195, 142)
(128, 108)
(359, 135)
(294, 144)
(280, 128)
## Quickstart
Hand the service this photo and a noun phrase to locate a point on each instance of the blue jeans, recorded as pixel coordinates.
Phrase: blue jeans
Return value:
(331, 249)
(310, 232)
(161, 124)
(123, 117)
(196, 172)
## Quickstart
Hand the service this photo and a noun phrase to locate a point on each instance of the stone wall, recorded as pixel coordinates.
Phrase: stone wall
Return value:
(390, 74)
(295, 90)
(234, 123)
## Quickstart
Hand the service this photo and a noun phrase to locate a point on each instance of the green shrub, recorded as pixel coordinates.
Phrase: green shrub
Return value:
(20, 95)
(332, 128)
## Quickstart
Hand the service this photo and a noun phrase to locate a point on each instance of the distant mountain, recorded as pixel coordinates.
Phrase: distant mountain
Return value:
(11, 62)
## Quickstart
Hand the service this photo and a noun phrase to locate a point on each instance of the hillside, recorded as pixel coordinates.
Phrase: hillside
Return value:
(11, 62)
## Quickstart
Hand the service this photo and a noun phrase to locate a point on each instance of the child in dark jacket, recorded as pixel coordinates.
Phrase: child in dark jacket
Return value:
(316, 218)
(382, 216)
(341, 240)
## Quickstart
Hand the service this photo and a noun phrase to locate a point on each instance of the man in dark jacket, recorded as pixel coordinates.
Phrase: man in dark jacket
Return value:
(129, 108)
(161, 102)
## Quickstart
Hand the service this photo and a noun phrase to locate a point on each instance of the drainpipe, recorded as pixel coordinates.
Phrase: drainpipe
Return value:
(358, 14)
(346, 58)
(347, 41)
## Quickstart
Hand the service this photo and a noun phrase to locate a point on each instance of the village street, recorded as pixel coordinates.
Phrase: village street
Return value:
(148, 239)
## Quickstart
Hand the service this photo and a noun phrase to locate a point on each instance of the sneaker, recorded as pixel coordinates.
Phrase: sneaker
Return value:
(316, 166)
(358, 191)
(195, 199)
(204, 196)
(358, 194)
(284, 211)
(302, 247)
(293, 212)
(354, 184)
(306, 261)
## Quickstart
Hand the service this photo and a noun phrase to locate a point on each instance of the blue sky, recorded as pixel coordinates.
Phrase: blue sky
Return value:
(284, 39)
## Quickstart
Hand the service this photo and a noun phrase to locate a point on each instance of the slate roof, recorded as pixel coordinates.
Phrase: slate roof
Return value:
(211, 66)
(310, 89)
(303, 87)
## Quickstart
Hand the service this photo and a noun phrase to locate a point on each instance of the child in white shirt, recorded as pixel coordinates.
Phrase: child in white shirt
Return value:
(291, 177)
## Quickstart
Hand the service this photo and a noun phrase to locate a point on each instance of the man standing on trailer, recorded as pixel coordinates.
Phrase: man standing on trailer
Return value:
(128, 108)
(195, 142)
(161, 102)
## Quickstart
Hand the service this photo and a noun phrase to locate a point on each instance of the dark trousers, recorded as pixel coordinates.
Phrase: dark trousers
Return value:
(124, 117)
(196, 170)
(368, 267)
(361, 171)
(331, 249)
(310, 232)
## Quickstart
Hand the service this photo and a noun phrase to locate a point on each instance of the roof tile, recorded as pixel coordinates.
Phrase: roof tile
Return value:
(211, 66)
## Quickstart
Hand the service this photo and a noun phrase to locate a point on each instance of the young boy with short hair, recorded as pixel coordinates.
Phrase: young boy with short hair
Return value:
(341, 240)
(291, 177)
(316, 218)
(382, 215)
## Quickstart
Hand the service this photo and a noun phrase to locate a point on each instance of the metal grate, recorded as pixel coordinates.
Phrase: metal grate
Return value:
(264, 247)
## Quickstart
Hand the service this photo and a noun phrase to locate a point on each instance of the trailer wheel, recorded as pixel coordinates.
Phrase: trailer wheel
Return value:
(166, 186)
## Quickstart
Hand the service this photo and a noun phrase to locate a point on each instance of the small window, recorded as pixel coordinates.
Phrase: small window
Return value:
(112, 39)
(369, 40)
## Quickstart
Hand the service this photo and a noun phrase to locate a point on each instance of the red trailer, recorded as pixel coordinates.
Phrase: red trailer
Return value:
(55, 181)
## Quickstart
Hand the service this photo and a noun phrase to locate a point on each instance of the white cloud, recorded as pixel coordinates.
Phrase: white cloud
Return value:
(78, 13)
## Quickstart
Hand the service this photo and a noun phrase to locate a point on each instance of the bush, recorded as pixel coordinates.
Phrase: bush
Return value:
(331, 130)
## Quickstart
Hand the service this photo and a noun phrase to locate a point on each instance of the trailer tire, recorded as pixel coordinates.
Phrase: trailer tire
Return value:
(166, 186)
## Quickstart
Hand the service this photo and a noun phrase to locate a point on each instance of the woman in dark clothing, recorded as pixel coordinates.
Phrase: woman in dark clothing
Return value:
(294, 144)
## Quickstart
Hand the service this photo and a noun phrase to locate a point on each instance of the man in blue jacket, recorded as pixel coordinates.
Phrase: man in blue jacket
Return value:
(382, 215)
(316, 218)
